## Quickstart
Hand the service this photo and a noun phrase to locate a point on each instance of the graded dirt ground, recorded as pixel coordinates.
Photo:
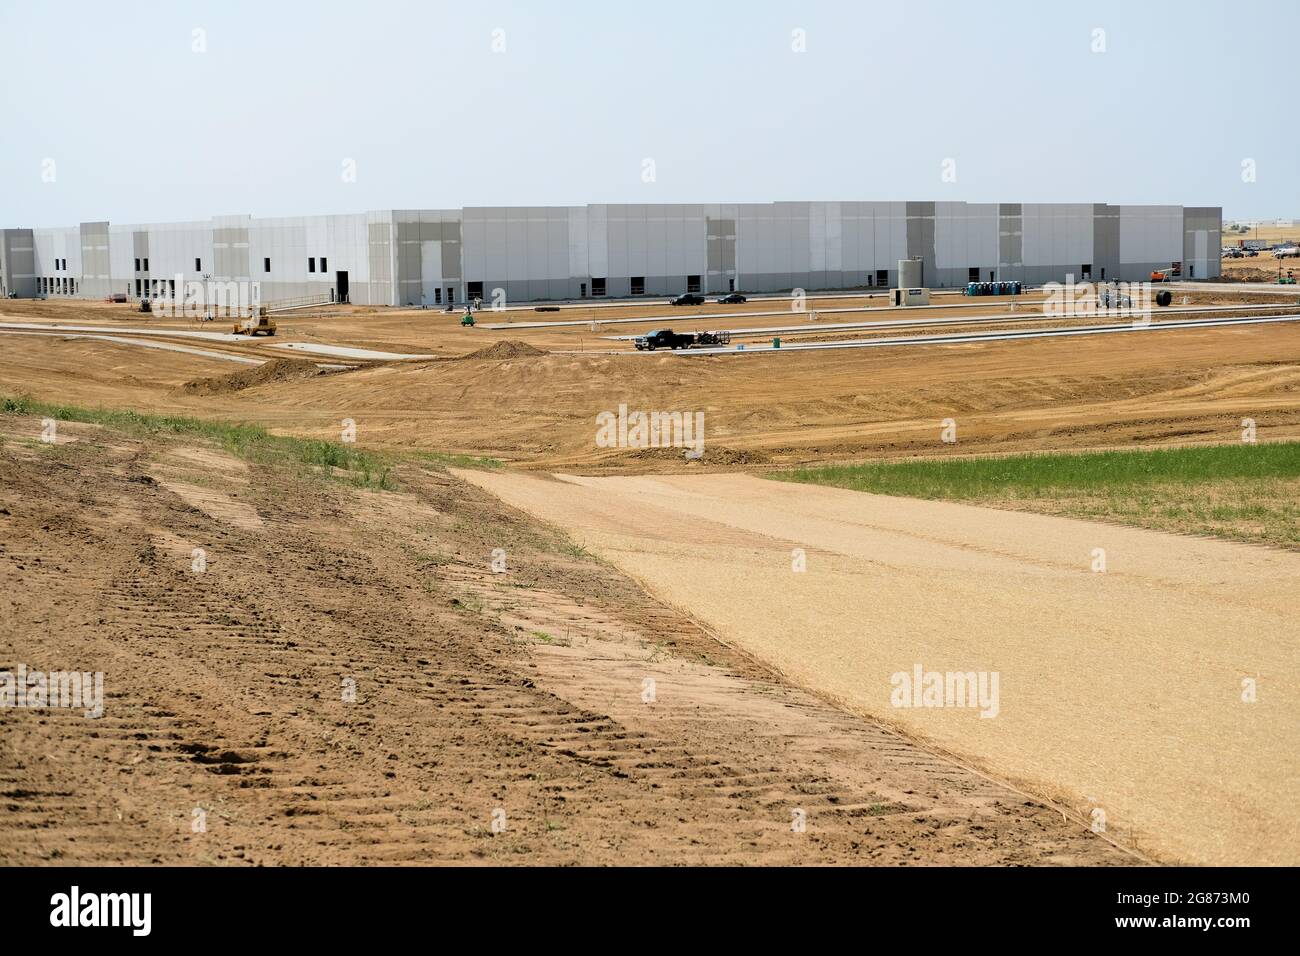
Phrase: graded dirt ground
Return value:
(1120, 690)
(761, 410)
(557, 700)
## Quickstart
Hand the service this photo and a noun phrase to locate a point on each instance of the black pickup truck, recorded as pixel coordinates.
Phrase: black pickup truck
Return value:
(664, 339)
(668, 339)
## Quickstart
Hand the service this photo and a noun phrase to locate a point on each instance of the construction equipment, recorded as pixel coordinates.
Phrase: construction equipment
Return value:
(259, 321)
(467, 318)
(1174, 271)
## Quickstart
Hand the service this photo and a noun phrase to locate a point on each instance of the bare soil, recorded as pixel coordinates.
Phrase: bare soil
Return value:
(557, 700)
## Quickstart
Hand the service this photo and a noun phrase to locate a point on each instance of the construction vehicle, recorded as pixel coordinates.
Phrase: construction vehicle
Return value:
(467, 318)
(1174, 271)
(259, 321)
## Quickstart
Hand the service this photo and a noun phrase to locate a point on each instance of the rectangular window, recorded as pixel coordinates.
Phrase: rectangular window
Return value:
(692, 283)
(139, 289)
(638, 285)
(1086, 270)
(198, 265)
(324, 264)
(973, 274)
(311, 264)
(451, 295)
(137, 265)
(146, 265)
(437, 296)
(882, 277)
(475, 291)
(266, 265)
(731, 285)
(597, 287)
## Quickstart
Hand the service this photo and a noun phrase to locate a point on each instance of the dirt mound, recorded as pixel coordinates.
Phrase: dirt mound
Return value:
(506, 349)
(277, 370)
(713, 455)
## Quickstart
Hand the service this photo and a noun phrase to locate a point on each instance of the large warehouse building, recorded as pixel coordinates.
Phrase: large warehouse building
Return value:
(434, 257)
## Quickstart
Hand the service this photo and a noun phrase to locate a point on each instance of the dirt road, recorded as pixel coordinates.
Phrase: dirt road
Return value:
(1120, 692)
(550, 713)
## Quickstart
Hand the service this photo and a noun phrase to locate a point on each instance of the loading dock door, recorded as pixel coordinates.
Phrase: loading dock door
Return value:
(341, 286)
(1201, 264)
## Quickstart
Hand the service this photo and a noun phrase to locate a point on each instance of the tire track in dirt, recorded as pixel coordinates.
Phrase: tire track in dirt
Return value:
(224, 693)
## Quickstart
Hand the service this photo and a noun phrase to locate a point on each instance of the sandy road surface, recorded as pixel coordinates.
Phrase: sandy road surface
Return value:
(1119, 691)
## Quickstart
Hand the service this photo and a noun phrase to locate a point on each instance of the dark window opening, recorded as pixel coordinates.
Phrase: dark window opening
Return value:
(583, 290)
(882, 277)
(475, 291)
(137, 265)
(146, 265)
(731, 285)
(324, 264)
(1086, 271)
(198, 265)
(973, 274)
(451, 295)
(692, 283)
(266, 265)
(597, 287)
(437, 297)
(139, 288)
(311, 264)
(638, 285)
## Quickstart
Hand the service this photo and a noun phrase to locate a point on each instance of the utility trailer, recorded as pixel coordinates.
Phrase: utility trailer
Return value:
(668, 339)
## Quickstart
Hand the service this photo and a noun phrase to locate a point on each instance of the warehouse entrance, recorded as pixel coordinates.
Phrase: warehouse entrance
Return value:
(341, 285)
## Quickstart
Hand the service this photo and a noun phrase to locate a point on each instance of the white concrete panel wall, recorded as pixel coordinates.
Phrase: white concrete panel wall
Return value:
(1150, 234)
(891, 234)
(544, 249)
(982, 235)
(598, 239)
(173, 247)
(579, 261)
(951, 236)
(121, 257)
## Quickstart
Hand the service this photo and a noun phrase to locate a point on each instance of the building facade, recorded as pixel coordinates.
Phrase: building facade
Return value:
(436, 257)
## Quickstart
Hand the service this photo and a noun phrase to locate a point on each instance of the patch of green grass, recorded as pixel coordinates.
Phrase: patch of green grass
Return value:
(312, 456)
(1247, 492)
(1048, 474)
(452, 460)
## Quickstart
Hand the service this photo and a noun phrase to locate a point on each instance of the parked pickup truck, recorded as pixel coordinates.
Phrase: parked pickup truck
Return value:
(668, 339)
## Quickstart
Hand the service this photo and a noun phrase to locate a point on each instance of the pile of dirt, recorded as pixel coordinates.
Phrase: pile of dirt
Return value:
(713, 455)
(277, 370)
(506, 349)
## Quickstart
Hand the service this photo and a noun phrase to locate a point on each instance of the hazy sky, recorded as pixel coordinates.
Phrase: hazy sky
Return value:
(112, 101)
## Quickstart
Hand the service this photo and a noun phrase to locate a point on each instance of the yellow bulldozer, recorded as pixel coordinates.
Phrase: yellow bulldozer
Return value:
(259, 321)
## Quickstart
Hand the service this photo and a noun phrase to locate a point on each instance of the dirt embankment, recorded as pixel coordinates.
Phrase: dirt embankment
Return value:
(506, 349)
(297, 672)
(277, 371)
